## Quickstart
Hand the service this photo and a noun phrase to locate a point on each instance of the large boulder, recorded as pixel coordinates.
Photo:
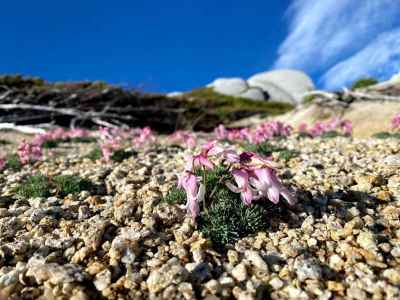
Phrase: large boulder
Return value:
(229, 86)
(255, 93)
(283, 85)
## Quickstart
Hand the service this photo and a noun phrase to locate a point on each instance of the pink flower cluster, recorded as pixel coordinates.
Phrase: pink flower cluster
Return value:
(334, 124)
(29, 152)
(2, 163)
(261, 133)
(108, 143)
(255, 177)
(396, 122)
(60, 134)
(184, 137)
(143, 136)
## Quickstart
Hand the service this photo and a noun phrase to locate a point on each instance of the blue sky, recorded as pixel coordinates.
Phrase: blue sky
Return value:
(179, 45)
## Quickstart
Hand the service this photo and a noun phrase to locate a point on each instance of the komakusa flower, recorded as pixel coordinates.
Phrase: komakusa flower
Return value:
(194, 193)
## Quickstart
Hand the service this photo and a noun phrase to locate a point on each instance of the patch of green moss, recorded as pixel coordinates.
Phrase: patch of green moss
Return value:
(50, 144)
(120, 155)
(288, 154)
(364, 82)
(331, 134)
(309, 99)
(70, 184)
(95, 154)
(267, 149)
(86, 139)
(4, 142)
(35, 186)
(264, 148)
(175, 196)
(13, 162)
(386, 135)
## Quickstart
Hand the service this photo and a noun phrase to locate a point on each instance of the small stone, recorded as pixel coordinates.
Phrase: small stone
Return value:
(239, 272)
(102, 280)
(335, 286)
(276, 283)
(336, 262)
(307, 269)
(212, 286)
(256, 260)
(170, 273)
(356, 293)
(233, 257)
(367, 241)
(383, 196)
(393, 275)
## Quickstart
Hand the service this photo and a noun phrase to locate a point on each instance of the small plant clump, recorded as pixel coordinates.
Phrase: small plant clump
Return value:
(95, 154)
(226, 211)
(35, 186)
(175, 196)
(4, 142)
(267, 149)
(12, 162)
(43, 186)
(364, 82)
(386, 135)
(70, 184)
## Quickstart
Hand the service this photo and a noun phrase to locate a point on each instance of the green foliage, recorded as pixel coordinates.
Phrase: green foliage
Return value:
(228, 219)
(18, 81)
(35, 186)
(309, 99)
(42, 186)
(86, 139)
(175, 196)
(4, 142)
(225, 218)
(70, 184)
(267, 149)
(264, 148)
(331, 134)
(50, 144)
(386, 135)
(120, 155)
(288, 154)
(95, 154)
(13, 162)
(364, 82)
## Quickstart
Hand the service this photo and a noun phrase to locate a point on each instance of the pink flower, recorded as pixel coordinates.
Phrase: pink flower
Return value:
(267, 184)
(194, 194)
(28, 152)
(395, 123)
(256, 178)
(202, 159)
(185, 137)
(146, 136)
(242, 180)
(2, 163)
(347, 127)
(303, 128)
(220, 132)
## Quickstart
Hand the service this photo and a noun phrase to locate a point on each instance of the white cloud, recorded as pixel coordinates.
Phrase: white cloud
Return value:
(379, 58)
(322, 33)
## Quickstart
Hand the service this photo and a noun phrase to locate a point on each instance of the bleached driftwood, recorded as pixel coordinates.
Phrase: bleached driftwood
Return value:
(22, 128)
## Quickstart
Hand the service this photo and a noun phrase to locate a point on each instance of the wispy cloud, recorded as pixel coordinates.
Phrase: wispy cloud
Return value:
(379, 58)
(332, 35)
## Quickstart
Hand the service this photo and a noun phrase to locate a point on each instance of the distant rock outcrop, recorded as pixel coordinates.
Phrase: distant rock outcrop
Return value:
(283, 85)
(278, 85)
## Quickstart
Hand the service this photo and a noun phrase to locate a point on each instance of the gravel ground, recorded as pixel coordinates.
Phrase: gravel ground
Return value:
(341, 241)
